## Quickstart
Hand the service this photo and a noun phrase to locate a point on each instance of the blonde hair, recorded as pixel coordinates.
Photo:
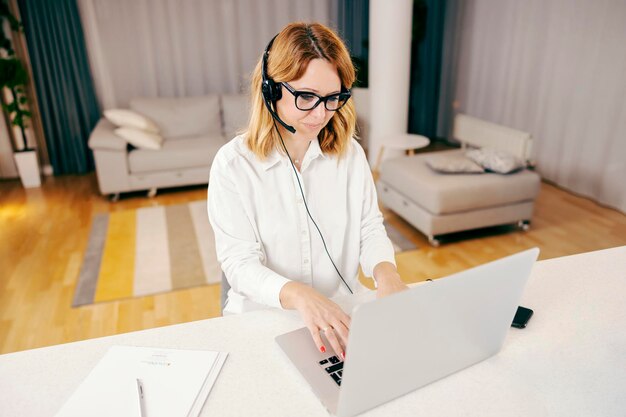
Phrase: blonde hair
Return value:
(294, 47)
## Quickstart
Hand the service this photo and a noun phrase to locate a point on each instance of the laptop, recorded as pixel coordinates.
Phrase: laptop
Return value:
(405, 341)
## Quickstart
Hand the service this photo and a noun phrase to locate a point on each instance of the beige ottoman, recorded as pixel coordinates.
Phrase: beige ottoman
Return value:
(438, 204)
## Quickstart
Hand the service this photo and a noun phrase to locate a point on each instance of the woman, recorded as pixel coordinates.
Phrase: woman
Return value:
(292, 200)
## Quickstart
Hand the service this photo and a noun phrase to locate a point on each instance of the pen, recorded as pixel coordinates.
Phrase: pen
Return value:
(142, 401)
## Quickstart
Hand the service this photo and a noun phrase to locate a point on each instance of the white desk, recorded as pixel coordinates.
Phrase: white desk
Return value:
(569, 361)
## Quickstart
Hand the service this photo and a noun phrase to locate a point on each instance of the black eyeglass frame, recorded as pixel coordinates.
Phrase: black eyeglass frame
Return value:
(297, 93)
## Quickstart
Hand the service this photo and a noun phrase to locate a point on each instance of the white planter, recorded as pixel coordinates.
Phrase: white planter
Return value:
(28, 167)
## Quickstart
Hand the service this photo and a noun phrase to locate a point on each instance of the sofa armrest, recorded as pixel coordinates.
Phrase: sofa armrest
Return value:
(112, 171)
(103, 137)
(111, 158)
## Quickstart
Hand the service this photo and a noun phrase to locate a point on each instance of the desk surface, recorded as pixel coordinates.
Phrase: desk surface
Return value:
(569, 361)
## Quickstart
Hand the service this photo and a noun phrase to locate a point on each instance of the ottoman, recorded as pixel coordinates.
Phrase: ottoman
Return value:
(438, 204)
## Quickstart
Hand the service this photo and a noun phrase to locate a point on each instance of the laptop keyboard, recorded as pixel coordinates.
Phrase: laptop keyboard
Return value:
(334, 367)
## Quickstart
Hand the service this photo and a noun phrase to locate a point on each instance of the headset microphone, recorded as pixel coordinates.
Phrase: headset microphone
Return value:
(272, 91)
(277, 118)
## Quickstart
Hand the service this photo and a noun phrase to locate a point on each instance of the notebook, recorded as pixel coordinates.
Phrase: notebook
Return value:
(175, 382)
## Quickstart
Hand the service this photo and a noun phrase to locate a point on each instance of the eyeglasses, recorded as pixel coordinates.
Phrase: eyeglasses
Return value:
(306, 100)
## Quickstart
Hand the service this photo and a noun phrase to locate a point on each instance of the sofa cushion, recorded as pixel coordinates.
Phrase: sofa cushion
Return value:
(129, 118)
(140, 138)
(453, 164)
(181, 153)
(182, 117)
(443, 194)
(495, 160)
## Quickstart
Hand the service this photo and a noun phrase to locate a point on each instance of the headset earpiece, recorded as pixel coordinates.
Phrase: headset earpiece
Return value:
(270, 90)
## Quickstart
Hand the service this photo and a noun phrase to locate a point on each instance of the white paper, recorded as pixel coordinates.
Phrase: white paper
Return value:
(173, 381)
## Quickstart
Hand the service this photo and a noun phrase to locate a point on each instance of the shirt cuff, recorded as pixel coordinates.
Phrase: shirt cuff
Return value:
(376, 255)
(271, 290)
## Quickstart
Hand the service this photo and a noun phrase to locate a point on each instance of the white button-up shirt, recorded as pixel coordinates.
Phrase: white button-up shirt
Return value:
(264, 237)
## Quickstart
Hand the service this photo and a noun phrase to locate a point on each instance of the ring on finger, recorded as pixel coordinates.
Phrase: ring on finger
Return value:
(325, 329)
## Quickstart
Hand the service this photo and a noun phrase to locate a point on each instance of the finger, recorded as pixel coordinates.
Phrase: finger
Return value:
(346, 320)
(331, 336)
(343, 329)
(341, 316)
(341, 323)
(317, 339)
(342, 332)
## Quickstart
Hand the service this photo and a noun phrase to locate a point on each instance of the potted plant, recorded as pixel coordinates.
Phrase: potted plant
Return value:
(13, 80)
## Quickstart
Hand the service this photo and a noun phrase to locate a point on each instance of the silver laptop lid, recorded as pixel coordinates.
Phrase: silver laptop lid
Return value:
(405, 341)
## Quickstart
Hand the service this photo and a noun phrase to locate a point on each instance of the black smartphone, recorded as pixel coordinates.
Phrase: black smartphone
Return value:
(522, 316)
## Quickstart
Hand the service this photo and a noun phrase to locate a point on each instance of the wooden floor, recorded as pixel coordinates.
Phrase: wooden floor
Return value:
(44, 232)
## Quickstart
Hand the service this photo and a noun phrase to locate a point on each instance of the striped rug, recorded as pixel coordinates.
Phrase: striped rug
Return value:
(152, 250)
(146, 251)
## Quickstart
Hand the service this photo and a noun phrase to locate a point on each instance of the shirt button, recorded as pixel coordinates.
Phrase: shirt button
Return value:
(306, 261)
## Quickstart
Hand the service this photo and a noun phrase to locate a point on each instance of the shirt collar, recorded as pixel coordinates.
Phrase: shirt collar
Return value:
(271, 160)
(314, 150)
(275, 157)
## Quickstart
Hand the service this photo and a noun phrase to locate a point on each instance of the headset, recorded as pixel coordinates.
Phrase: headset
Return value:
(272, 92)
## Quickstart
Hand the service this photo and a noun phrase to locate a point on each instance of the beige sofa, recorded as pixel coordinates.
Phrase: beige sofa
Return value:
(439, 204)
(194, 129)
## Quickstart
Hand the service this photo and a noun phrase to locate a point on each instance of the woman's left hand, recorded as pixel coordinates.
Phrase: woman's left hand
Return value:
(388, 280)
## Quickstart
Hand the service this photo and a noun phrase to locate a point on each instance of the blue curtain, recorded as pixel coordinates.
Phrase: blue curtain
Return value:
(353, 26)
(65, 92)
(426, 52)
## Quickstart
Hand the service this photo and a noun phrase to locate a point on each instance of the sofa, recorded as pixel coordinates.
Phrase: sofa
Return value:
(193, 129)
(439, 203)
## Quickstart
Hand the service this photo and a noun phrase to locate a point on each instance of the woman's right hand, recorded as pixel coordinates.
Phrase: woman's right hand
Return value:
(319, 314)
